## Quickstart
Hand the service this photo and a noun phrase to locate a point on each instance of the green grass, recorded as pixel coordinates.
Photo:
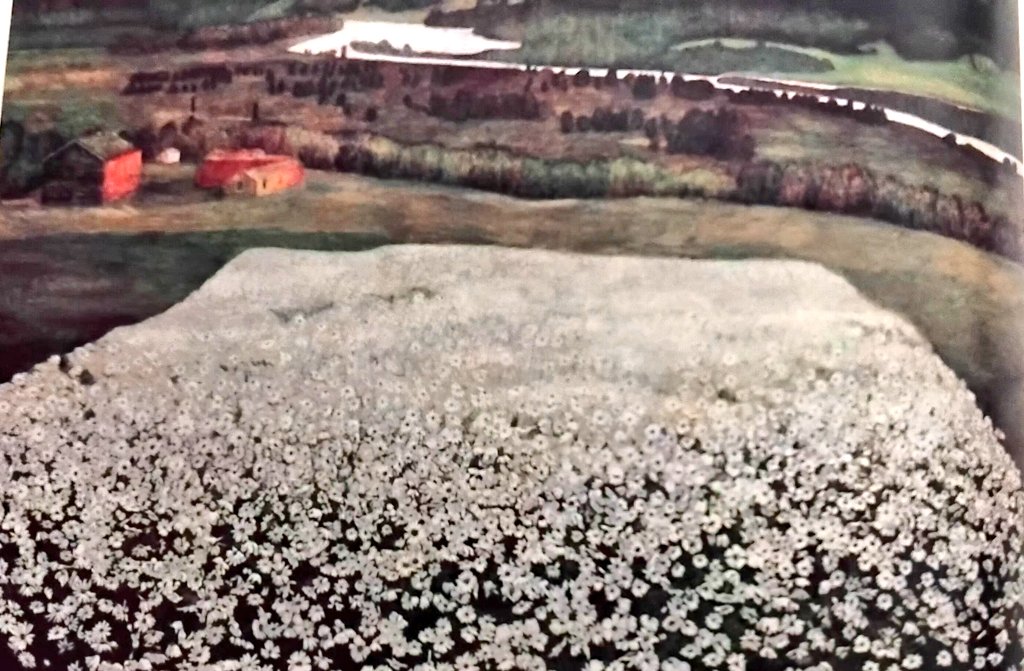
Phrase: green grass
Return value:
(683, 39)
(712, 57)
(74, 37)
(980, 85)
(274, 10)
(80, 58)
(73, 113)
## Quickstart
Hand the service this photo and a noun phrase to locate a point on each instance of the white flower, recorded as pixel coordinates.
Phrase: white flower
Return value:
(299, 661)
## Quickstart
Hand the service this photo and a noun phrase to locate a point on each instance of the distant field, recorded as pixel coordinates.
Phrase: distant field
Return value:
(659, 40)
(79, 89)
(982, 86)
(969, 304)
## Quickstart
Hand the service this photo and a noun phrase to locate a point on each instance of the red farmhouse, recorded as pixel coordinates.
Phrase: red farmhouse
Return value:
(233, 170)
(92, 170)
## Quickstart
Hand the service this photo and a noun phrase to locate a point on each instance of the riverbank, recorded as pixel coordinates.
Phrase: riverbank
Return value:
(87, 264)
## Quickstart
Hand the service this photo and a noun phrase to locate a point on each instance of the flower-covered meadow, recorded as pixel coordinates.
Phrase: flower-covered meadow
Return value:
(458, 459)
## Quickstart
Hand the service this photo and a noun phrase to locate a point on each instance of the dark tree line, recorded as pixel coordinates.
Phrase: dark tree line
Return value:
(328, 82)
(853, 189)
(720, 133)
(467, 104)
(868, 114)
(847, 188)
(603, 120)
(193, 78)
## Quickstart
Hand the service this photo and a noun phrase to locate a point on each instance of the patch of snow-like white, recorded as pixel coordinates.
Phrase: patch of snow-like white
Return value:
(316, 455)
(417, 37)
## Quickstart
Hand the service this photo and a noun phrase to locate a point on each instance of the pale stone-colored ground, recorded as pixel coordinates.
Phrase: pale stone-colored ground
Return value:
(496, 458)
(661, 316)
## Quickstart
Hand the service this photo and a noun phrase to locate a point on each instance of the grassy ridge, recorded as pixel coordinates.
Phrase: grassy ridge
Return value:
(970, 81)
(818, 47)
(844, 189)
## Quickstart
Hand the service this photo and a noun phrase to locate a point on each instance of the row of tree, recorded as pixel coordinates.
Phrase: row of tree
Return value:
(603, 120)
(868, 114)
(649, 86)
(467, 104)
(191, 78)
(324, 82)
(853, 189)
(720, 133)
(642, 86)
(847, 188)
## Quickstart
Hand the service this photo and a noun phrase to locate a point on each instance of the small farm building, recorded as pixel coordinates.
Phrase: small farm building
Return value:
(267, 179)
(248, 171)
(91, 170)
(169, 156)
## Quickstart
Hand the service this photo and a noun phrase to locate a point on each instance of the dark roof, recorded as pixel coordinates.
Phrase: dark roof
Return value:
(104, 146)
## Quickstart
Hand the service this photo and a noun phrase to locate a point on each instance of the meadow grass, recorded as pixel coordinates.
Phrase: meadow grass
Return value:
(980, 85)
(699, 41)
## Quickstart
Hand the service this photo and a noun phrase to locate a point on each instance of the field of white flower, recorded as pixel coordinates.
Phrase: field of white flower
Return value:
(477, 458)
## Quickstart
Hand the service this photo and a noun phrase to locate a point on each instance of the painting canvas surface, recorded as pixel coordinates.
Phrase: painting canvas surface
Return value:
(673, 335)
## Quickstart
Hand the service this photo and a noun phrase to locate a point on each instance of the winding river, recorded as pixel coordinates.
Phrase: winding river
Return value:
(462, 42)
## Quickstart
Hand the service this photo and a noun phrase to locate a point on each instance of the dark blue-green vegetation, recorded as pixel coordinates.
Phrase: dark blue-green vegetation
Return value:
(59, 292)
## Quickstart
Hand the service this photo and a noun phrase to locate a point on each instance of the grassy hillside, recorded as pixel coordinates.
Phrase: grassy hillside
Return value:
(697, 41)
(919, 29)
(970, 81)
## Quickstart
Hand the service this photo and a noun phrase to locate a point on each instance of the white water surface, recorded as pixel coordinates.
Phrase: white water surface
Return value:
(416, 36)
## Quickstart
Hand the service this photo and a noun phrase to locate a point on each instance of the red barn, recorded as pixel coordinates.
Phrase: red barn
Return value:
(92, 170)
(221, 167)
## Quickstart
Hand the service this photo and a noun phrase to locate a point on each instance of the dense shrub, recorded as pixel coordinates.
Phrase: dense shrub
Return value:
(868, 114)
(560, 82)
(652, 129)
(847, 188)
(636, 119)
(698, 89)
(447, 75)
(645, 87)
(718, 133)
(853, 189)
(303, 88)
(566, 122)
(21, 157)
(605, 120)
(497, 170)
(467, 104)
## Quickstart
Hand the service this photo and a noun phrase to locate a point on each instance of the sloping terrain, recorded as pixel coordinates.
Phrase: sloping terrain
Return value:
(487, 457)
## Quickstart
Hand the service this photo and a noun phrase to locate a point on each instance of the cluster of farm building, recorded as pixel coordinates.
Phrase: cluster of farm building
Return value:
(356, 93)
(104, 168)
